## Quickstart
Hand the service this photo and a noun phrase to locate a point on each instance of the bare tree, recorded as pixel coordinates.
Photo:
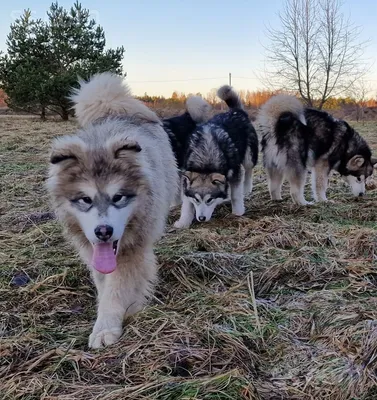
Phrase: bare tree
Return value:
(360, 92)
(211, 97)
(316, 52)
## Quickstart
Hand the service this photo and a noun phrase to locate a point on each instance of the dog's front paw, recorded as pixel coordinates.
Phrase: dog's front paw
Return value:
(304, 203)
(300, 201)
(238, 209)
(326, 201)
(104, 337)
(181, 224)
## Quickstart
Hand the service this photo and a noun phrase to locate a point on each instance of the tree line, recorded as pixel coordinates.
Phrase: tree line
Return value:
(255, 99)
(315, 53)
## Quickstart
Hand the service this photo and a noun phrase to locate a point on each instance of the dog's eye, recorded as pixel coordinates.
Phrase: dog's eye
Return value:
(83, 203)
(117, 198)
(210, 200)
(358, 179)
(86, 200)
(123, 199)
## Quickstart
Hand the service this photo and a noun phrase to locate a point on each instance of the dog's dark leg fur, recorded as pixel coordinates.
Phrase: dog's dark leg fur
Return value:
(320, 179)
(297, 179)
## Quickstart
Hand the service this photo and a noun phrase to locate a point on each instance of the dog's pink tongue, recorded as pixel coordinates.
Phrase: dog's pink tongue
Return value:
(104, 259)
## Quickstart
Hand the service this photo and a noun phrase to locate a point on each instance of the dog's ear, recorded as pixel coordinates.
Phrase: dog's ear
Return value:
(355, 163)
(374, 162)
(187, 178)
(122, 149)
(57, 157)
(218, 179)
(66, 148)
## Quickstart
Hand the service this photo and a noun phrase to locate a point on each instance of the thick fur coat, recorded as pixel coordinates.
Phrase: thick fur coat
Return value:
(219, 159)
(111, 187)
(296, 139)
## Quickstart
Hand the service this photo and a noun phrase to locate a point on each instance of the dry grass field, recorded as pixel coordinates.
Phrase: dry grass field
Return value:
(278, 304)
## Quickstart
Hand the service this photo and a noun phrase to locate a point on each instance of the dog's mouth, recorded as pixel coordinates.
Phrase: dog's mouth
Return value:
(115, 247)
(104, 257)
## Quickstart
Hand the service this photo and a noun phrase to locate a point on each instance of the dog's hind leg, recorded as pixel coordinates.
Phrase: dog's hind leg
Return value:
(237, 194)
(124, 292)
(275, 181)
(248, 165)
(297, 180)
(320, 179)
(248, 183)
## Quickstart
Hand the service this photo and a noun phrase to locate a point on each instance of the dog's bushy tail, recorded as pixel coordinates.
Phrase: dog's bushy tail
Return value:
(198, 109)
(281, 107)
(107, 94)
(230, 96)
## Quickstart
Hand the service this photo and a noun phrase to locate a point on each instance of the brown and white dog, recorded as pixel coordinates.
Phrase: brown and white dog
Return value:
(111, 188)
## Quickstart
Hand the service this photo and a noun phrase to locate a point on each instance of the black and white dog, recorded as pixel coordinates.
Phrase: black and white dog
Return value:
(219, 158)
(295, 139)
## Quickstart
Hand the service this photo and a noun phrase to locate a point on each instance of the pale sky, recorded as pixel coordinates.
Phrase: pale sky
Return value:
(192, 45)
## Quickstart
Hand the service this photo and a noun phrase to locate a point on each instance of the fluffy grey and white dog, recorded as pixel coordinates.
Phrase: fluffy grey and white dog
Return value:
(295, 139)
(219, 159)
(111, 186)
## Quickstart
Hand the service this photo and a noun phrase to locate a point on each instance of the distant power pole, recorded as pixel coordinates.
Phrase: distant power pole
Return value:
(230, 79)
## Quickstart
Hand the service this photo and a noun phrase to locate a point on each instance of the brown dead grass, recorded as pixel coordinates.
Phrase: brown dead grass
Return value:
(278, 304)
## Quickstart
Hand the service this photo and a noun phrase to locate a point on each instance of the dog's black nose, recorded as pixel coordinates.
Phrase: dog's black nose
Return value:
(104, 232)
(202, 218)
(361, 194)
